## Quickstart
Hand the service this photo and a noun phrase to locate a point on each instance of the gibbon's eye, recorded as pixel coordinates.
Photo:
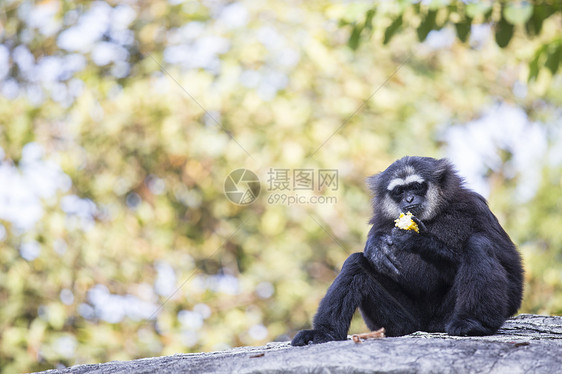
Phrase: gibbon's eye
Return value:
(397, 191)
(418, 187)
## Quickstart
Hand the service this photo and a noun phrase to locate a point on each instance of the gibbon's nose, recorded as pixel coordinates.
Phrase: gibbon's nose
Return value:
(409, 198)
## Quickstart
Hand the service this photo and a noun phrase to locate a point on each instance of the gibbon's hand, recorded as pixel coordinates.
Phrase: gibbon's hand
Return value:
(380, 250)
(306, 337)
(406, 240)
(421, 226)
(409, 240)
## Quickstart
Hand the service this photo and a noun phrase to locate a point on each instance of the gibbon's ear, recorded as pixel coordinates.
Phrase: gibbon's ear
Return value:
(442, 170)
(373, 182)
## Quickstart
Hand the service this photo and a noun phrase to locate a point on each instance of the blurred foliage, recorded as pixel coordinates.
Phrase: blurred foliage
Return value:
(506, 17)
(153, 104)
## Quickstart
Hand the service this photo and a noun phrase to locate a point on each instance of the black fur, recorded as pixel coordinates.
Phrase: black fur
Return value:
(461, 274)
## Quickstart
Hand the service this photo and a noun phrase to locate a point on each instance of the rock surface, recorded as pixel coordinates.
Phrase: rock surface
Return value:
(525, 344)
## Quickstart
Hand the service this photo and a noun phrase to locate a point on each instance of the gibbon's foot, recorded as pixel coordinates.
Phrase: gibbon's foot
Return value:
(467, 327)
(306, 337)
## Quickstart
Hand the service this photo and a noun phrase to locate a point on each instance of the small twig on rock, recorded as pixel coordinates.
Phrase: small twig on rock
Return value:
(368, 335)
(520, 344)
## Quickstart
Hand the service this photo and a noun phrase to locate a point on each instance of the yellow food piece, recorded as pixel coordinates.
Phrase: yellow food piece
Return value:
(405, 222)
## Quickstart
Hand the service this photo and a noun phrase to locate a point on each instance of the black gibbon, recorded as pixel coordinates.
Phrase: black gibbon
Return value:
(461, 273)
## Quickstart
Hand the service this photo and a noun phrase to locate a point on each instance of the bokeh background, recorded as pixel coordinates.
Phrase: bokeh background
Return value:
(121, 120)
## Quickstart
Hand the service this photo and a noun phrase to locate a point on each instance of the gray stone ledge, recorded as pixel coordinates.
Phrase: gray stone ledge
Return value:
(525, 344)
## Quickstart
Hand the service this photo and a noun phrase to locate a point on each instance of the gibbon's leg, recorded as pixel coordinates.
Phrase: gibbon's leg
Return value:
(481, 287)
(385, 306)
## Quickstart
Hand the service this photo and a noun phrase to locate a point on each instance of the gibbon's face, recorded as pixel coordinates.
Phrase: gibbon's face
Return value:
(420, 185)
(409, 191)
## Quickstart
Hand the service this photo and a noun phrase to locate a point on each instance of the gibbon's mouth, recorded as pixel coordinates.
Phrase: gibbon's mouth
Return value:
(414, 209)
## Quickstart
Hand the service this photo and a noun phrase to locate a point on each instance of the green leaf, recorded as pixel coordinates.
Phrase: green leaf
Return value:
(463, 29)
(554, 58)
(504, 32)
(355, 37)
(427, 25)
(518, 13)
(369, 19)
(343, 22)
(391, 30)
(540, 13)
(533, 70)
(534, 64)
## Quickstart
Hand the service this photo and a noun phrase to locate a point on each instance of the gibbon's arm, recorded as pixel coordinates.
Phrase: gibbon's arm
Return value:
(336, 309)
